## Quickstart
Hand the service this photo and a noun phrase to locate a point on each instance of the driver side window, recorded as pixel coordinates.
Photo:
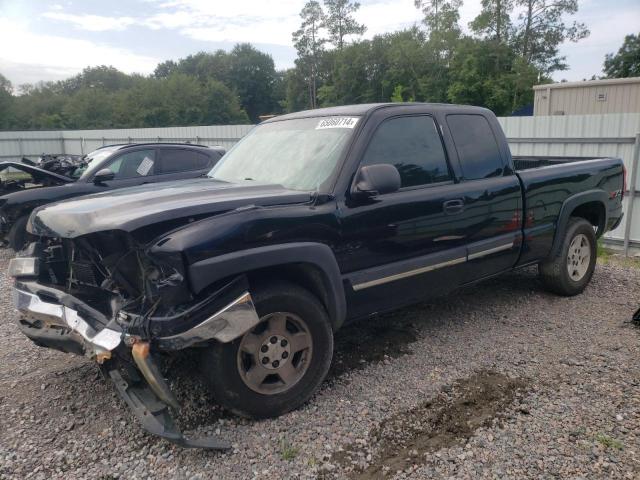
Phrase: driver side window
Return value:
(411, 144)
(134, 164)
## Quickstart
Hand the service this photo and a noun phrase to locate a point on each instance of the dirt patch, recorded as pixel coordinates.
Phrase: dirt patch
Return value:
(449, 419)
(370, 341)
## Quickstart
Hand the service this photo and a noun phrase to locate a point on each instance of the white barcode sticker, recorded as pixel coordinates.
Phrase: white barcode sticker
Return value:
(145, 166)
(337, 122)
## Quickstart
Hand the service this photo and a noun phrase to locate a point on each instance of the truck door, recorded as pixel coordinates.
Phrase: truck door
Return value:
(491, 195)
(403, 246)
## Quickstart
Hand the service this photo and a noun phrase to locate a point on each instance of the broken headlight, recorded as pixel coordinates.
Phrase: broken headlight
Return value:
(23, 267)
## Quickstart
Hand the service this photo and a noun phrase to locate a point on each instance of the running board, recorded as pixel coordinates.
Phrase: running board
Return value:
(155, 415)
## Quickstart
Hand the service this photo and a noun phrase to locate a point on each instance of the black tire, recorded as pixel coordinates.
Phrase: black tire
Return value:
(18, 236)
(554, 272)
(221, 364)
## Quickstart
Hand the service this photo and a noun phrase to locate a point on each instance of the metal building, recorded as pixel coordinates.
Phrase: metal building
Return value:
(616, 95)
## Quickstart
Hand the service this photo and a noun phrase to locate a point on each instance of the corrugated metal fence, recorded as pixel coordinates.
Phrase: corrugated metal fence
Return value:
(15, 145)
(612, 135)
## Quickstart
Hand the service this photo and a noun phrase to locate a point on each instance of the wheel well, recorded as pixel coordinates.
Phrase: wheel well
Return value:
(306, 275)
(594, 213)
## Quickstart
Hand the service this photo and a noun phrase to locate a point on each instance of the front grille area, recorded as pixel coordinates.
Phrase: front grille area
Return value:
(83, 272)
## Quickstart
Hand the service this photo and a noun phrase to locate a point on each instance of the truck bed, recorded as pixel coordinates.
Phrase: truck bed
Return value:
(547, 182)
(526, 162)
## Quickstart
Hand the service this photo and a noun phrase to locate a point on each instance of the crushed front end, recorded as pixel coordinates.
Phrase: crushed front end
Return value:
(104, 295)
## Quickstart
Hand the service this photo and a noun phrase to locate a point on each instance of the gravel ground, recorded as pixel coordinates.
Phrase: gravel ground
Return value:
(502, 380)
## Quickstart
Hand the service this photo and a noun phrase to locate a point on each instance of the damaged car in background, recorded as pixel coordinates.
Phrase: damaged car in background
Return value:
(59, 177)
(48, 170)
(311, 220)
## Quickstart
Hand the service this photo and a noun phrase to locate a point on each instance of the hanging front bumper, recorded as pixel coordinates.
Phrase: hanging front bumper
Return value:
(67, 323)
(60, 326)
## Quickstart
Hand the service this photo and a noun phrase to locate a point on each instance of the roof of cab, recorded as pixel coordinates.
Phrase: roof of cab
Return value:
(366, 108)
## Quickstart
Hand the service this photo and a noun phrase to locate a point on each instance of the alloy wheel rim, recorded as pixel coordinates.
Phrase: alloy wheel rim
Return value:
(275, 355)
(578, 257)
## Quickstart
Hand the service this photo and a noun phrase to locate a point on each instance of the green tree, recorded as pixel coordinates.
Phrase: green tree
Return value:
(104, 77)
(542, 30)
(494, 23)
(625, 63)
(202, 65)
(339, 21)
(494, 20)
(296, 90)
(252, 74)
(6, 102)
(5, 84)
(475, 79)
(39, 106)
(310, 45)
(441, 19)
(164, 69)
(90, 107)
(396, 96)
(223, 106)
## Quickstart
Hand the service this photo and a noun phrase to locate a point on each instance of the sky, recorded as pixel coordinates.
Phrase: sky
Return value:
(51, 40)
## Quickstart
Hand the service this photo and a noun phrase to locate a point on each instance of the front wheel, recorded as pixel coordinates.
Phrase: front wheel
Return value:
(569, 272)
(278, 365)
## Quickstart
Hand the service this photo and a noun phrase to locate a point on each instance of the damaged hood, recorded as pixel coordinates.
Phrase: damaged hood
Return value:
(38, 174)
(132, 208)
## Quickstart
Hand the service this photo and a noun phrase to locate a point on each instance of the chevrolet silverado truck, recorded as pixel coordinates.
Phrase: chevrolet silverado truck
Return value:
(314, 219)
(108, 168)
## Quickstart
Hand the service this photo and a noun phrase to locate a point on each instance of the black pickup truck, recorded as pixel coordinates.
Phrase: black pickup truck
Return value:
(312, 220)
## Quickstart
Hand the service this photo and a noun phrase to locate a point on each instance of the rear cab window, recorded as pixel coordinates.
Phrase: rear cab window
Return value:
(476, 145)
(411, 144)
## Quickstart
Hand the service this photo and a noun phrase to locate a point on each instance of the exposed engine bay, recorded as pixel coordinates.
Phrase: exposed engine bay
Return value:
(62, 164)
(112, 273)
(25, 175)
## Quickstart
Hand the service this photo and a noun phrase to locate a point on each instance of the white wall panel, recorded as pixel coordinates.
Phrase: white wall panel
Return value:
(13, 145)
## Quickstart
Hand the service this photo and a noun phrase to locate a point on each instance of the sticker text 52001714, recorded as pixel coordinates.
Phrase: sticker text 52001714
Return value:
(337, 122)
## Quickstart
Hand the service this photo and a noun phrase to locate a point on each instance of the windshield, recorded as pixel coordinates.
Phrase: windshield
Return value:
(298, 154)
(93, 159)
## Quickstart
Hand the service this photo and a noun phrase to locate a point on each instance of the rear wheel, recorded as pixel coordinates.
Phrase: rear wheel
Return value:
(569, 272)
(278, 365)
(18, 235)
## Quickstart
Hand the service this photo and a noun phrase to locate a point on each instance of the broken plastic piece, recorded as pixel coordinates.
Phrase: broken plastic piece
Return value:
(155, 416)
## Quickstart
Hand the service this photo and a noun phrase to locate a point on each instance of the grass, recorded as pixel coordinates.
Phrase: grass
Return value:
(287, 452)
(607, 256)
(609, 442)
(604, 254)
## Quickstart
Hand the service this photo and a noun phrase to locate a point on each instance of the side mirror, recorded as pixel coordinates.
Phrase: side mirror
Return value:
(378, 179)
(103, 175)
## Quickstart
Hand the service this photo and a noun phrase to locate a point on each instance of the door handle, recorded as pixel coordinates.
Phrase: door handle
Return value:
(451, 207)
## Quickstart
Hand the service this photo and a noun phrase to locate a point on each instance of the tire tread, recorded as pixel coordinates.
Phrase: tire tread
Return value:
(553, 271)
